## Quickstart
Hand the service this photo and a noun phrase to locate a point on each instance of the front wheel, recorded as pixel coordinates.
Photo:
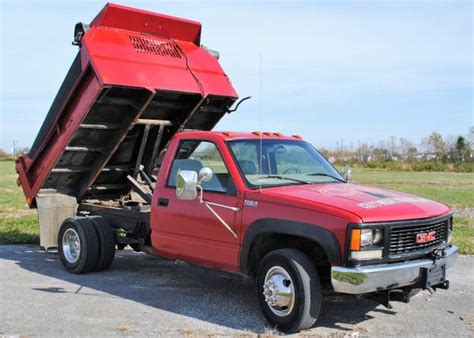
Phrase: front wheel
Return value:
(289, 290)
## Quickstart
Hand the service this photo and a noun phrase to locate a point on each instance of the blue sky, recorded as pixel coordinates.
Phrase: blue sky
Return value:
(357, 70)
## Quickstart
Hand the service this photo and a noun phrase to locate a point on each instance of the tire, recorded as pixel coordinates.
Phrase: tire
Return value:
(85, 259)
(302, 311)
(106, 243)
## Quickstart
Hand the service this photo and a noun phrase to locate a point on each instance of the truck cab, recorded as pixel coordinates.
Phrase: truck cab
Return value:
(231, 200)
(126, 158)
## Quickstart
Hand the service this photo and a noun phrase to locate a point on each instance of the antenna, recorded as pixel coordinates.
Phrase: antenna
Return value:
(261, 115)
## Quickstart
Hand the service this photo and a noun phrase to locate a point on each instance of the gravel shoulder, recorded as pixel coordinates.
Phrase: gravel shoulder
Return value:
(148, 296)
(464, 212)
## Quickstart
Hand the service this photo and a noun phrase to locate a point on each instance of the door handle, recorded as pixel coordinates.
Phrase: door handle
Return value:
(163, 202)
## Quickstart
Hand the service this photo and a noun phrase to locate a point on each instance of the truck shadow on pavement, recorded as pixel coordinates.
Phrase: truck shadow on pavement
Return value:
(208, 295)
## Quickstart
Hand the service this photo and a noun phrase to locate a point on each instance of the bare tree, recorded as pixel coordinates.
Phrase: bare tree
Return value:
(434, 143)
(407, 148)
(470, 140)
(363, 152)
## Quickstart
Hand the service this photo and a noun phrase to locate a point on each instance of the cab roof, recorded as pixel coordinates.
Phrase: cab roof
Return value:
(233, 135)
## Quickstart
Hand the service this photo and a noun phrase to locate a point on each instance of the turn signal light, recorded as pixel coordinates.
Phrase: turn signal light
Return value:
(355, 239)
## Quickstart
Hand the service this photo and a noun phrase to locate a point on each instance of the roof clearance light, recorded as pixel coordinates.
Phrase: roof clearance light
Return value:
(227, 133)
(299, 137)
(258, 133)
(278, 134)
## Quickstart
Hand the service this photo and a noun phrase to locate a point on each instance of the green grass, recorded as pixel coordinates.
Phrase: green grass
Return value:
(18, 224)
(21, 230)
(463, 234)
(453, 189)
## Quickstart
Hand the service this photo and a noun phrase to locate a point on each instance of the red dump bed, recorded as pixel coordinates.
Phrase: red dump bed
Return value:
(139, 77)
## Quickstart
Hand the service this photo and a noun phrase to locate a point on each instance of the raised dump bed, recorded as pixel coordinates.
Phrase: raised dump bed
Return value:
(139, 78)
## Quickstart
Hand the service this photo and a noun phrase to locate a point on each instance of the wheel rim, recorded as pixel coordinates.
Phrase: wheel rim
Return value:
(71, 245)
(279, 291)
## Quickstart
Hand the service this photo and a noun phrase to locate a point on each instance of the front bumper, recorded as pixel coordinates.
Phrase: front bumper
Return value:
(365, 279)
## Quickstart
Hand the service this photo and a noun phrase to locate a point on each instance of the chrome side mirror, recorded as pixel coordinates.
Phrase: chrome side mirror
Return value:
(205, 175)
(347, 174)
(186, 184)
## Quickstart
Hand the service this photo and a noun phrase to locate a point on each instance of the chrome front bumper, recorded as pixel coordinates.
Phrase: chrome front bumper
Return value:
(365, 279)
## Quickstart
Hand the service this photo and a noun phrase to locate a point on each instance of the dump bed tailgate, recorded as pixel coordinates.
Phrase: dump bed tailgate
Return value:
(139, 78)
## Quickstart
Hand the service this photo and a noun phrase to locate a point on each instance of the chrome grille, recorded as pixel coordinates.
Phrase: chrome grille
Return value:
(403, 238)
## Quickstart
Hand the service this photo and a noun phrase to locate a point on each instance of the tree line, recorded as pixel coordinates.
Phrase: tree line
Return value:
(434, 152)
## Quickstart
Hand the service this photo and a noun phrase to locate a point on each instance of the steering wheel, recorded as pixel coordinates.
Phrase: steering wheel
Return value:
(292, 170)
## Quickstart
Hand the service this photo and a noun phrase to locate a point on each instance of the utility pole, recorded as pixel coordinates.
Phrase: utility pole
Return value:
(392, 147)
(14, 147)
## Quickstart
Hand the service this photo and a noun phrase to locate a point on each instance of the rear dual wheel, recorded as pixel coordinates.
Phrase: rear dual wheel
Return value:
(86, 244)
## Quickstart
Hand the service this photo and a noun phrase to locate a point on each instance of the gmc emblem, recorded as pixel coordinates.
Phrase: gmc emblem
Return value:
(425, 237)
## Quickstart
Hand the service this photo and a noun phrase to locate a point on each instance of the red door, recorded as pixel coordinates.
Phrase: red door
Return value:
(188, 230)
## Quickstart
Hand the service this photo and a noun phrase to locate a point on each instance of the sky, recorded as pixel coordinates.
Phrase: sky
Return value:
(356, 71)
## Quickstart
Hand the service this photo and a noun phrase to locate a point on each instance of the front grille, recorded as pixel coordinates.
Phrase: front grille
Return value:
(403, 238)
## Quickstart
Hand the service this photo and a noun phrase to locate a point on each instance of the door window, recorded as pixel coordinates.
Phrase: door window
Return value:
(195, 155)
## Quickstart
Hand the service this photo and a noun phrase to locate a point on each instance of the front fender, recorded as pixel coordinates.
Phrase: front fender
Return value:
(323, 237)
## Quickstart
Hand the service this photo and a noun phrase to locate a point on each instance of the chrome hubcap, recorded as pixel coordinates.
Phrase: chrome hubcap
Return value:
(71, 245)
(279, 291)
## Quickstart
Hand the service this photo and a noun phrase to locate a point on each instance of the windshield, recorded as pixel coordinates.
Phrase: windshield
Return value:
(273, 162)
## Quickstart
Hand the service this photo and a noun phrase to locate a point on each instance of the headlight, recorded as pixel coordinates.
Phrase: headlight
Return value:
(366, 243)
(378, 237)
(366, 237)
(370, 237)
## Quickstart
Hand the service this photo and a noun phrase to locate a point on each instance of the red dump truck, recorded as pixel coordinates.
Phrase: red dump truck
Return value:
(125, 157)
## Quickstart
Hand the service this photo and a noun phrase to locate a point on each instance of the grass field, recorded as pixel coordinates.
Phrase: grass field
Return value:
(453, 189)
(18, 224)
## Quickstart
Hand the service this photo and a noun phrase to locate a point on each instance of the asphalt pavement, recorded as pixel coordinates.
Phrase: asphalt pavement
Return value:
(148, 296)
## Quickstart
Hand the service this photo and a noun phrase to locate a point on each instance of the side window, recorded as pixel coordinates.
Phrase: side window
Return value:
(196, 154)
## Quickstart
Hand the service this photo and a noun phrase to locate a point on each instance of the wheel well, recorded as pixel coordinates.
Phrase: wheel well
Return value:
(265, 243)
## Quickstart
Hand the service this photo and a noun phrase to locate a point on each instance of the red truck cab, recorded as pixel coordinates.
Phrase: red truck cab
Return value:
(126, 157)
(268, 192)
